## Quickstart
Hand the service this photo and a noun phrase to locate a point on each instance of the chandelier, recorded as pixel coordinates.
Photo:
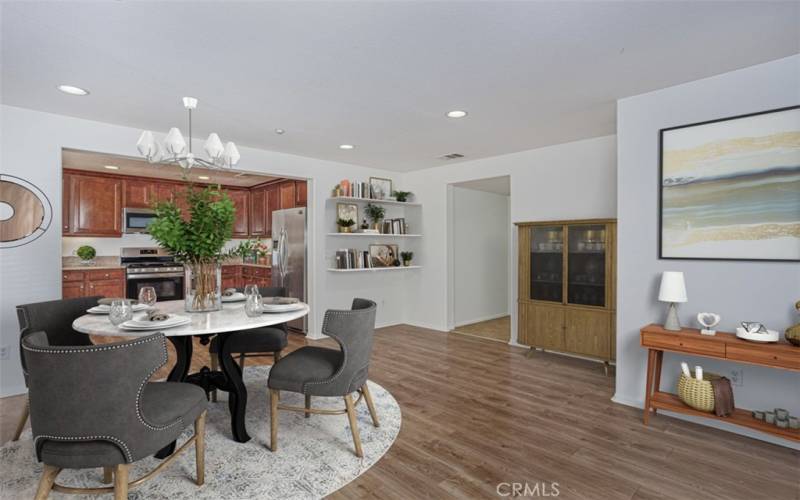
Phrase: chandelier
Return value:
(174, 151)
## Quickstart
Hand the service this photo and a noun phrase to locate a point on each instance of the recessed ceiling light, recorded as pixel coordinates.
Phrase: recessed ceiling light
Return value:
(279, 131)
(111, 167)
(346, 146)
(203, 177)
(72, 90)
(456, 114)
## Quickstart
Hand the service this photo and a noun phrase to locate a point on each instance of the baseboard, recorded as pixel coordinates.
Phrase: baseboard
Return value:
(478, 320)
(423, 325)
(13, 391)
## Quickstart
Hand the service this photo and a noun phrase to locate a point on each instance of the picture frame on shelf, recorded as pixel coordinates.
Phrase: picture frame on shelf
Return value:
(383, 255)
(380, 188)
(347, 211)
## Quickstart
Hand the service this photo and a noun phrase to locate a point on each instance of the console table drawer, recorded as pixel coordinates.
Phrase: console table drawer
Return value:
(677, 342)
(765, 355)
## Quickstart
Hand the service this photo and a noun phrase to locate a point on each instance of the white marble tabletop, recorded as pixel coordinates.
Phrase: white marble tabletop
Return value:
(230, 318)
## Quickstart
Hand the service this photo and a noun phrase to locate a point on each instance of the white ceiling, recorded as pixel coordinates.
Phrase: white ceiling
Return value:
(497, 185)
(378, 75)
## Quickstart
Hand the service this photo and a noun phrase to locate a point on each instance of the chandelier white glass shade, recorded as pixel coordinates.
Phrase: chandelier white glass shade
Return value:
(174, 148)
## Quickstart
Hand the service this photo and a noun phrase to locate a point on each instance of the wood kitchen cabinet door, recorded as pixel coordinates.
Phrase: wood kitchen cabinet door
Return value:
(241, 202)
(138, 194)
(545, 326)
(287, 194)
(66, 207)
(72, 290)
(107, 288)
(163, 191)
(301, 194)
(273, 203)
(588, 332)
(96, 206)
(258, 212)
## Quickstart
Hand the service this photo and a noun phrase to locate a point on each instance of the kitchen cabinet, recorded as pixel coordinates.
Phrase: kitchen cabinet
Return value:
(72, 290)
(287, 194)
(138, 193)
(258, 211)
(241, 202)
(261, 276)
(66, 212)
(231, 277)
(103, 282)
(273, 203)
(301, 193)
(96, 206)
(163, 191)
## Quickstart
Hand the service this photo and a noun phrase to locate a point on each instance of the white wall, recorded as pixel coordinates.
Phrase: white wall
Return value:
(576, 180)
(31, 149)
(481, 233)
(759, 291)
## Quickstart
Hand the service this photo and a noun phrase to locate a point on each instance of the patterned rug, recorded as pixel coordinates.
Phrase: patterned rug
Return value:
(314, 458)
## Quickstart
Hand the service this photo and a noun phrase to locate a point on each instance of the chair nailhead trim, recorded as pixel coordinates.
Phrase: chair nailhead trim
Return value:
(92, 348)
(121, 443)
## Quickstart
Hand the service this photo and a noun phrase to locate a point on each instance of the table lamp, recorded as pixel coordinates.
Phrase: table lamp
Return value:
(673, 290)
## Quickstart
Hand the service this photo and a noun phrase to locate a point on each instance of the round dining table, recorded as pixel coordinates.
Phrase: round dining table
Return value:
(231, 318)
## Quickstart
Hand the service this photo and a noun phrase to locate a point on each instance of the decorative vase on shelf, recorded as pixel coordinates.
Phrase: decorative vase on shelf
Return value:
(406, 263)
(345, 229)
(203, 286)
(793, 332)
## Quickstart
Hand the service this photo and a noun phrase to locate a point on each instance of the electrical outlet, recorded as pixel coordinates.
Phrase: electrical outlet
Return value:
(737, 377)
(3, 352)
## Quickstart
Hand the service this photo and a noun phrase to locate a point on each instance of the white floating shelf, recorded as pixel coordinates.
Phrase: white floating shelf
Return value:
(368, 269)
(345, 199)
(374, 235)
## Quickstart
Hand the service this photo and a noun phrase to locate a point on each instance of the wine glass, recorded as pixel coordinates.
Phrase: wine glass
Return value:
(147, 296)
(251, 289)
(254, 307)
(121, 311)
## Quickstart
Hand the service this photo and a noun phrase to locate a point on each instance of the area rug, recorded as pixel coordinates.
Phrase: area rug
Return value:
(314, 458)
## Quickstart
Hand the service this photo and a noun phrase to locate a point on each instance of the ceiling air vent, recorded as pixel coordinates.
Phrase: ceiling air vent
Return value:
(451, 156)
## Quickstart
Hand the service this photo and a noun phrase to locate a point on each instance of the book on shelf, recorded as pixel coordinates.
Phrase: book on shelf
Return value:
(394, 226)
(351, 258)
(356, 189)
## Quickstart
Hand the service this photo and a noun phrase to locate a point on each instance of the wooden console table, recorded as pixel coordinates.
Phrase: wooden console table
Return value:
(727, 346)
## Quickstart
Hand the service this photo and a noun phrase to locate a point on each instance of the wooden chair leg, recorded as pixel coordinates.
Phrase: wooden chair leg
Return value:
(351, 416)
(121, 482)
(108, 475)
(308, 405)
(200, 448)
(370, 405)
(46, 481)
(273, 419)
(214, 368)
(277, 356)
(241, 361)
(23, 419)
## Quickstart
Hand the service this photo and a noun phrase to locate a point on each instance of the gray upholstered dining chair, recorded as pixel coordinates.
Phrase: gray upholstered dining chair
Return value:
(55, 318)
(92, 407)
(255, 342)
(318, 371)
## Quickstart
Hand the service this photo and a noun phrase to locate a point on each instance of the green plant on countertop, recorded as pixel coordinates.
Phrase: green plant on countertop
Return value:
(199, 241)
(86, 252)
(249, 248)
(375, 212)
(406, 256)
(402, 195)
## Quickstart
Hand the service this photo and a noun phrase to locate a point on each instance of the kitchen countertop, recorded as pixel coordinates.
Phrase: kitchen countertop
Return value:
(90, 268)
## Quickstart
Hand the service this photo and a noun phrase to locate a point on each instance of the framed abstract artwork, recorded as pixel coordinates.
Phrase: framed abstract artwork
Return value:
(729, 189)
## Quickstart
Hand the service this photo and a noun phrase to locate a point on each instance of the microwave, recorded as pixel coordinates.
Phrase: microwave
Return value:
(136, 220)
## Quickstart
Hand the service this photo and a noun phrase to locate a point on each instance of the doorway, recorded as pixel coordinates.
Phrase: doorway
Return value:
(479, 226)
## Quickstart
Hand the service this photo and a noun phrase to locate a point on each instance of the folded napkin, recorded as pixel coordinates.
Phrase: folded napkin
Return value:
(229, 292)
(156, 315)
(108, 300)
(280, 300)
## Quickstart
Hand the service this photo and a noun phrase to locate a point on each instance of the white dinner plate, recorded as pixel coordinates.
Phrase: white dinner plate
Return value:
(282, 308)
(143, 324)
(236, 297)
(103, 309)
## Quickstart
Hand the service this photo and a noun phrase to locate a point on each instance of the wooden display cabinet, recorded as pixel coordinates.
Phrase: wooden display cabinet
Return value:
(567, 286)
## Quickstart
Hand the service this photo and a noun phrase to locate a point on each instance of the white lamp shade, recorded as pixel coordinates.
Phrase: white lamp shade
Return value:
(174, 143)
(213, 146)
(673, 288)
(146, 144)
(231, 155)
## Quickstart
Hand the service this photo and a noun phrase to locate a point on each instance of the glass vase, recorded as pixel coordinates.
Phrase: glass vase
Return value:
(203, 287)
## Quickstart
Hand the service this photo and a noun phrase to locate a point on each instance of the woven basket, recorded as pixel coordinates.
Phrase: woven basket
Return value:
(699, 394)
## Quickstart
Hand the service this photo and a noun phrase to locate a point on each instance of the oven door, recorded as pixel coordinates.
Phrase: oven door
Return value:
(168, 286)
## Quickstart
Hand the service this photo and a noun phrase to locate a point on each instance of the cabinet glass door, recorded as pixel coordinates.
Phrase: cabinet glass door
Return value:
(587, 265)
(547, 260)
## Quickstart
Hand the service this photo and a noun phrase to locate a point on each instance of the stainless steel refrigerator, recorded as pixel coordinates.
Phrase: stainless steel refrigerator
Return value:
(289, 255)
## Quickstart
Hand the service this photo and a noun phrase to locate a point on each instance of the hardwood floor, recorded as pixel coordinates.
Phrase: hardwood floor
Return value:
(494, 329)
(478, 413)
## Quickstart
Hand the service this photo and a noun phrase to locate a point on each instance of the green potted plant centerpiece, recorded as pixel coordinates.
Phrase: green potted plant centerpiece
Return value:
(197, 239)
(375, 213)
(407, 256)
(402, 195)
(87, 254)
(345, 225)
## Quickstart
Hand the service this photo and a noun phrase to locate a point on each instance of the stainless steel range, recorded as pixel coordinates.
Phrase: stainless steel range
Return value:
(152, 267)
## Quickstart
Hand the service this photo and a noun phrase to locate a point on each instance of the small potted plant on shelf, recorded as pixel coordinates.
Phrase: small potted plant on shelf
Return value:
(87, 254)
(198, 242)
(402, 195)
(375, 213)
(407, 256)
(345, 225)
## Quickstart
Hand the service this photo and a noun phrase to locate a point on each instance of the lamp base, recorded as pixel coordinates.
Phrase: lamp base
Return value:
(672, 322)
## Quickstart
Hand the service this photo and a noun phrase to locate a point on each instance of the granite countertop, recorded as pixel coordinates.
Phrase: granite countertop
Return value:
(101, 262)
(90, 268)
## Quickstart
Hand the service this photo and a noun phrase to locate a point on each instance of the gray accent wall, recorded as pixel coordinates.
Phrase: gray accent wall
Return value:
(738, 290)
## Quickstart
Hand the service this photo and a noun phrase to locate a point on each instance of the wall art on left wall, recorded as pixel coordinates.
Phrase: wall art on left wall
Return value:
(730, 188)
(25, 212)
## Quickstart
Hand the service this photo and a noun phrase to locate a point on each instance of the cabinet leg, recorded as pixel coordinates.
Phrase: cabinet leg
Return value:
(659, 357)
(649, 386)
